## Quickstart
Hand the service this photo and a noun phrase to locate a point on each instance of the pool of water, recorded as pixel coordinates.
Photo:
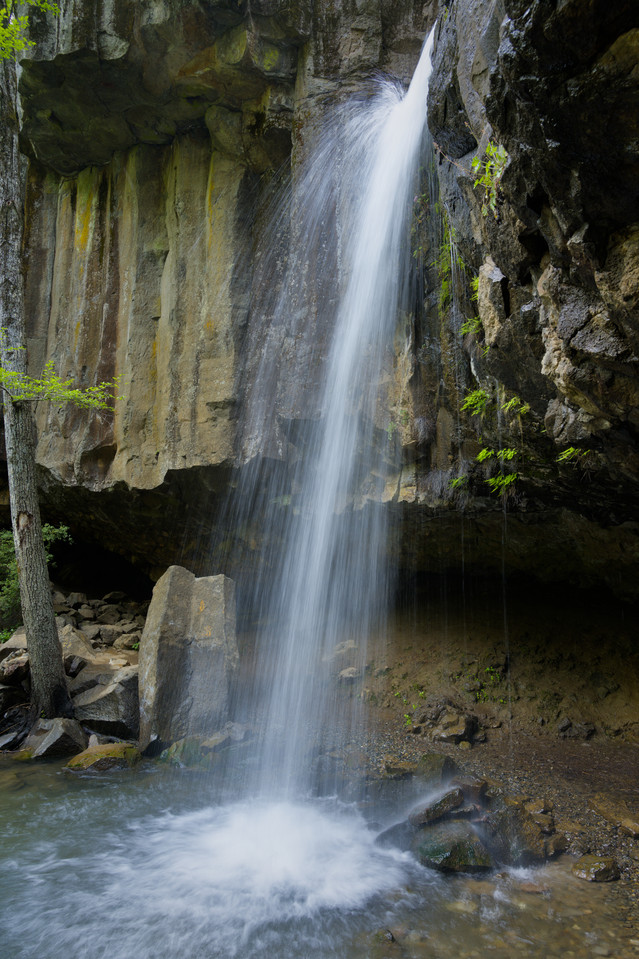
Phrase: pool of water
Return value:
(150, 865)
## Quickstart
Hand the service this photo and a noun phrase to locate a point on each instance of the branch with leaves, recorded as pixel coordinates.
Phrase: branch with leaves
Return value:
(14, 27)
(50, 387)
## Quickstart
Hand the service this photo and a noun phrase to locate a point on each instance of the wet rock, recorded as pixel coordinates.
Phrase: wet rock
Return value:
(596, 869)
(630, 827)
(349, 675)
(398, 769)
(106, 757)
(473, 788)
(515, 838)
(112, 707)
(53, 737)
(188, 653)
(188, 753)
(231, 734)
(452, 847)
(435, 768)
(437, 808)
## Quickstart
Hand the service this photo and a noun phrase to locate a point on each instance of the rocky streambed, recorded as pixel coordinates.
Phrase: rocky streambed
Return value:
(452, 770)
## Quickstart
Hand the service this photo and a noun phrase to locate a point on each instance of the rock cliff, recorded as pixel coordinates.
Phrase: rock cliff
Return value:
(156, 132)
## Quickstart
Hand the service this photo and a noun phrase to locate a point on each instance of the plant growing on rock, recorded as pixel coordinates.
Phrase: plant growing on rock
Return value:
(490, 170)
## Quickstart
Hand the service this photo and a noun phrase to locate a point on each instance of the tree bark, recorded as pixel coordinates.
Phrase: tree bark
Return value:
(49, 695)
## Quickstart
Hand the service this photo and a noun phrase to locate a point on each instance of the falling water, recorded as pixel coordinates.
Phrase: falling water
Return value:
(331, 581)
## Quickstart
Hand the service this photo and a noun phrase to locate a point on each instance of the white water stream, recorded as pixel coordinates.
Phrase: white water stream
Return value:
(331, 580)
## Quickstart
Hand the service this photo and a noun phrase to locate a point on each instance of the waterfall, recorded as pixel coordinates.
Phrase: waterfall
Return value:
(324, 587)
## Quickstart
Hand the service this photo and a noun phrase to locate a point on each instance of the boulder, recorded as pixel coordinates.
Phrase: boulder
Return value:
(435, 768)
(188, 653)
(596, 869)
(128, 640)
(14, 669)
(451, 847)
(436, 808)
(18, 641)
(75, 643)
(454, 727)
(90, 631)
(53, 737)
(111, 706)
(105, 757)
(76, 600)
(188, 752)
(517, 837)
(109, 615)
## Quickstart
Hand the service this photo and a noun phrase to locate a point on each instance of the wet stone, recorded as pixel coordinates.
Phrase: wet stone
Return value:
(596, 869)
(451, 847)
(435, 768)
(108, 756)
(437, 809)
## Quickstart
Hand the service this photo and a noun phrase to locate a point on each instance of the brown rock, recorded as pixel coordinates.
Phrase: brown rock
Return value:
(596, 869)
(102, 758)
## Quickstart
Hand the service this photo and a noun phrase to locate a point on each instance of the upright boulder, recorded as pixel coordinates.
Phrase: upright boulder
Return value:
(188, 653)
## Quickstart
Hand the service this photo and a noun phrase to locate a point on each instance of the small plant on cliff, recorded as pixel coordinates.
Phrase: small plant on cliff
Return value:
(471, 325)
(572, 454)
(490, 170)
(9, 586)
(476, 402)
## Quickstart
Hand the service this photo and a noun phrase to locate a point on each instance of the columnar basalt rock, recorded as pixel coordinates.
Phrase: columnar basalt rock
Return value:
(188, 655)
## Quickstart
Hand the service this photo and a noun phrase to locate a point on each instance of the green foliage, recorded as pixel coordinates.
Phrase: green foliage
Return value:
(501, 483)
(13, 28)
(459, 482)
(474, 285)
(53, 389)
(572, 454)
(489, 172)
(517, 406)
(9, 588)
(471, 325)
(476, 402)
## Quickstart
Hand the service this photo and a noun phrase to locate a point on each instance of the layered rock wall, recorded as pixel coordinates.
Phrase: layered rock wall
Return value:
(156, 132)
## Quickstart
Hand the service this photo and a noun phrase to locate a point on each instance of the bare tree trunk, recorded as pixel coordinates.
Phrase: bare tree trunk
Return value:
(49, 695)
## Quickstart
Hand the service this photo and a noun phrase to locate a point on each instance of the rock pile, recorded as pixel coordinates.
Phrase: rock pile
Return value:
(99, 640)
(467, 824)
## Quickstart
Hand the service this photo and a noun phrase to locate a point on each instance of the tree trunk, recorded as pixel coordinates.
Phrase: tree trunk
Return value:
(49, 695)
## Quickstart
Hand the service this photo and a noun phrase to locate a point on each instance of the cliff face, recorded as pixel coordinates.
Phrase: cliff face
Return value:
(157, 131)
(554, 348)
